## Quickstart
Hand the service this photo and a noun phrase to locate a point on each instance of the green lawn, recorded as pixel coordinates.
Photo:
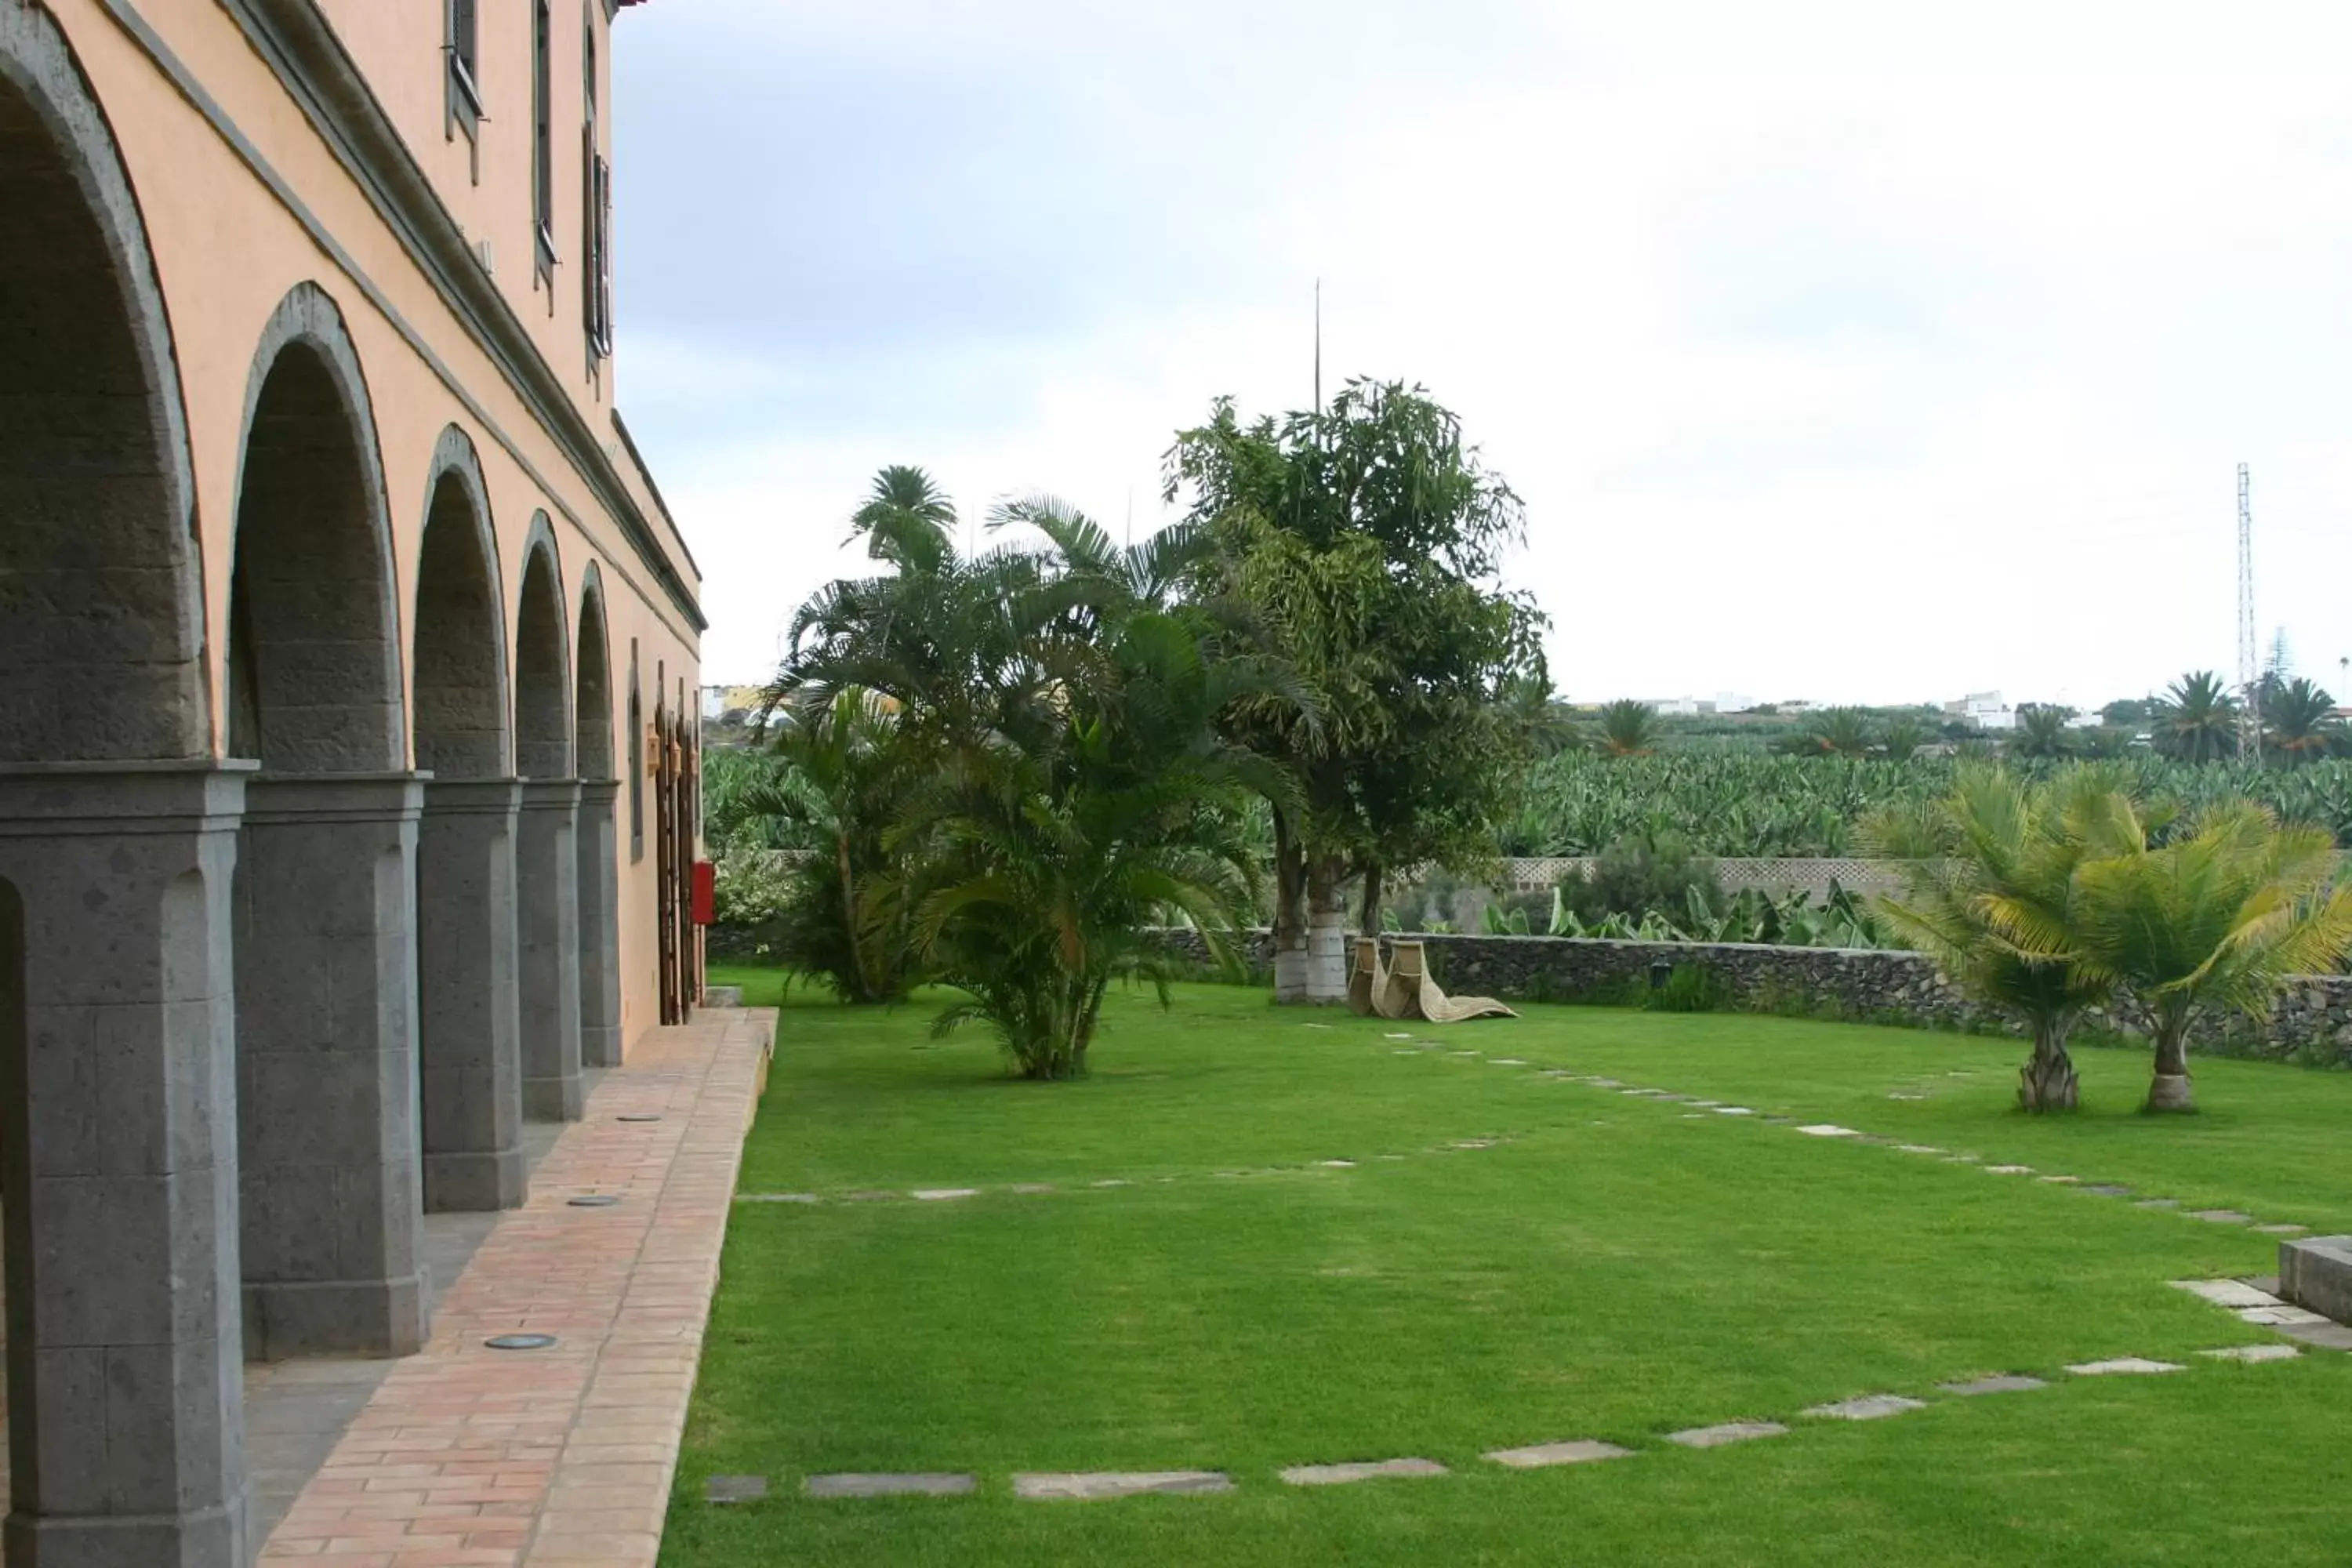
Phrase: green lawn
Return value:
(1610, 1267)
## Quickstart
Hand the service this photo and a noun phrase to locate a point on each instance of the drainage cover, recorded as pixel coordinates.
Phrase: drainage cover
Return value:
(593, 1201)
(519, 1342)
(639, 1116)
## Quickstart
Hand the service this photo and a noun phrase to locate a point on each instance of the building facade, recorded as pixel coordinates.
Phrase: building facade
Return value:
(348, 662)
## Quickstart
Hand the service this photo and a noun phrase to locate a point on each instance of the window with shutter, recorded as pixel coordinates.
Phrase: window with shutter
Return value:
(461, 44)
(542, 151)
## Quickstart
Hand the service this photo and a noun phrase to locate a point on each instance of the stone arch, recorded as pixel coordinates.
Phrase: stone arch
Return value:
(314, 644)
(458, 643)
(592, 701)
(114, 884)
(325, 1035)
(102, 652)
(543, 683)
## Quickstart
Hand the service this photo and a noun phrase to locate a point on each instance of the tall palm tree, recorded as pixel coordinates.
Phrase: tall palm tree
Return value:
(2298, 722)
(2218, 918)
(1629, 729)
(2197, 720)
(1996, 853)
(906, 519)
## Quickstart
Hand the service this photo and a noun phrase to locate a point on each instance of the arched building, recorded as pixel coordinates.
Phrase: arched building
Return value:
(331, 588)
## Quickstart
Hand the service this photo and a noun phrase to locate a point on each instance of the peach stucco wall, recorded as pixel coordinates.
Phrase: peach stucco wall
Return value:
(226, 252)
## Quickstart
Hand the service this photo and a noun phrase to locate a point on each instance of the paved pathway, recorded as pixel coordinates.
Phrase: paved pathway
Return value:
(467, 1456)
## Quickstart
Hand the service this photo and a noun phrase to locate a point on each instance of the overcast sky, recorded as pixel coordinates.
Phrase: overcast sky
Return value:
(1841, 351)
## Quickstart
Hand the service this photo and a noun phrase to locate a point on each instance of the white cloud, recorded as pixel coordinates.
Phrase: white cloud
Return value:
(1840, 350)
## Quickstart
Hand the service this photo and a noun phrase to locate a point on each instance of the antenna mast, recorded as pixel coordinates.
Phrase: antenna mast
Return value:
(2249, 691)
(1319, 348)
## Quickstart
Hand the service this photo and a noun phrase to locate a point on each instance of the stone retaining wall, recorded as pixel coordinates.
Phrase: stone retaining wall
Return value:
(2313, 1020)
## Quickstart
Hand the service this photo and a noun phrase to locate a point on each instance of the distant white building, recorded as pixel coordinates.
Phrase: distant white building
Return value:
(1985, 709)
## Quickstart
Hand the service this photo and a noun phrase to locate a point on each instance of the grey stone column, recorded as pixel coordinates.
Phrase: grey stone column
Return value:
(126, 1414)
(326, 1049)
(468, 1014)
(600, 925)
(547, 876)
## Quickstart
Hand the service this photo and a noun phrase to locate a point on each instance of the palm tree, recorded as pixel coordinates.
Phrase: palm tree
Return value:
(2040, 732)
(1900, 740)
(1048, 861)
(846, 763)
(1629, 729)
(2197, 720)
(1995, 854)
(2298, 721)
(2218, 918)
(1837, 732)
(906, 519)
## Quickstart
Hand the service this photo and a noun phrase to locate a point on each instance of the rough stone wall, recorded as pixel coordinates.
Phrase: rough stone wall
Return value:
(2313, 1020)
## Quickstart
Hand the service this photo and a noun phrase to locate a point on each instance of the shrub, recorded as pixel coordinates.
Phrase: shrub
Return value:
(1639, 873)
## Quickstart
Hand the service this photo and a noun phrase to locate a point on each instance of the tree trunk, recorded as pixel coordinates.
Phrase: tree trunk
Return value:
(2170, 1089)
(1289, 913)
(2047, 1081)
(1327, 931)
(1368, 918)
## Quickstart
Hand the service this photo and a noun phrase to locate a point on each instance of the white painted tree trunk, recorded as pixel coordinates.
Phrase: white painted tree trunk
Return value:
(1289, 963)
(1327, 936)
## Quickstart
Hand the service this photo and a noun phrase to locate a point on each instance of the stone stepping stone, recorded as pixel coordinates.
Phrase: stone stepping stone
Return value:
(944, 1195)
(724, 1490)
(1604, 1083)
(2059, 1180)
(2004, 1383)
(1900, 1096)
(1706, 1104)
(1405, 1051)
(2124, 1366)
(2108, 1189)
(2157, 1204)
(2254, 1353)
(2220, 1216)
(1541, 1455)
(778, 1198)
(873, 1197)
(1732, 1111)
(2326, 1336)
(2009, 1170)
(1868, 1408)
(2225, 1292)
(1337, 1165)
(935, 1484)
(1694, 1116)
(1472, 1143)
(1342, 1475)
(1335, 1025)
(2282, 1229)
(1058, 1486)
(1917, 1148)
(1112, 1182)
(1506, 1062)
(1828, 1130)
(1726, 1433)
(2280, 1317)
(1389, 1036)
(1962, 1159)
(1031, 1189)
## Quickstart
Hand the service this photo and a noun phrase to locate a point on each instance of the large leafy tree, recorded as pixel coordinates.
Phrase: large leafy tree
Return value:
(1362, 542)
(2197, 720)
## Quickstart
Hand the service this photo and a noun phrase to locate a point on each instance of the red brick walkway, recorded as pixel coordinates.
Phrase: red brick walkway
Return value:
(472, 1457)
